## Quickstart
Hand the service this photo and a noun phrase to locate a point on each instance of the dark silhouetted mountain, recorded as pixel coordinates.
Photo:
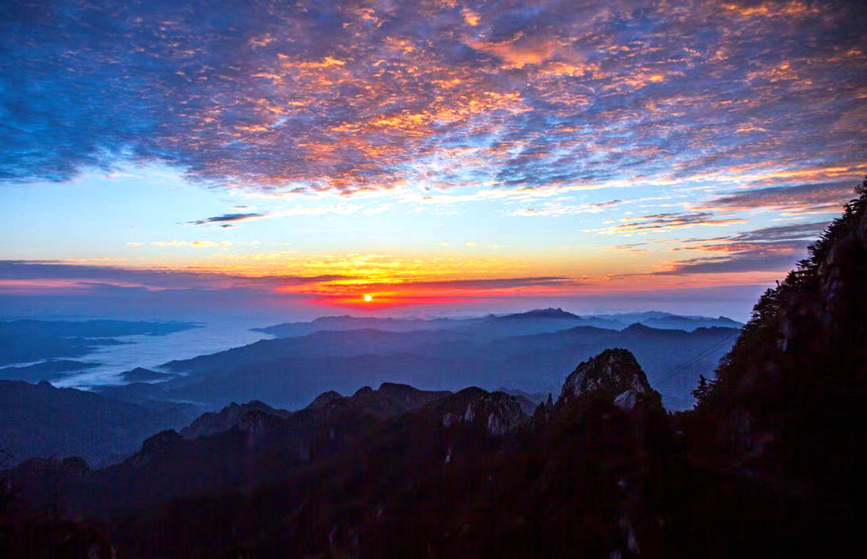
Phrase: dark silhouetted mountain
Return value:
(43, 421)
(51, 370)
(788, 401)
(392, 398)
(381, 473)
(324, 399)
(240, 447)
(226, 419)
(23, 341)
(140, 374)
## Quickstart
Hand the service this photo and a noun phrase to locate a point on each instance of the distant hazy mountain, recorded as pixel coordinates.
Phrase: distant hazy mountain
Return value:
(289, 372)
(51, 370)
(39, 420)
(23, 341)
(140, 374)
(530, 322)
(541, 313)
(332, 323)
(690, 323)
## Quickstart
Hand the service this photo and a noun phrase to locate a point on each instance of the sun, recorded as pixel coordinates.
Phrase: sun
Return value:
(368, 298)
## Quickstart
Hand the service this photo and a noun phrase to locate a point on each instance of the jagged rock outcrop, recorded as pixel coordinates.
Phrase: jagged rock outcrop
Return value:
(324, 399)
(499, 413)
(258, 423)
(528, 401)
(157, 447)
(613, 375)
(496, 413)
(392, 398)
(227, 418)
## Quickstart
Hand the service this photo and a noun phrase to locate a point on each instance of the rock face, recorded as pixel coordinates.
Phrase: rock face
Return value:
(227, 418)
(392, 398)
(614, 375)
(324, 399)
(497, 413)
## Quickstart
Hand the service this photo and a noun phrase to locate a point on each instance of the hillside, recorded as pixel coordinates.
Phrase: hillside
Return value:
(47, 422)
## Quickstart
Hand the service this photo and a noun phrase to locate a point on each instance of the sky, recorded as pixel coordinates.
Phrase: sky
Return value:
(194, 158)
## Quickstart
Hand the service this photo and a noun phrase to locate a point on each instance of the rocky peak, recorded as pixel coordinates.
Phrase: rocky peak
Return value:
(392, 398)
(395, 390)
(324, 399)
(613, 374)
(162, 444)
(497, 412)
(257, 422)
(227, 418)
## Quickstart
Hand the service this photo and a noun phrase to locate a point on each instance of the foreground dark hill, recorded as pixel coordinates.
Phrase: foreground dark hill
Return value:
(789, 402)
(43, 421)
(288, 372)
(367, 474)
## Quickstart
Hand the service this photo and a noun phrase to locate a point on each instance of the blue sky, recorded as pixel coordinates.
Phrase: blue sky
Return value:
(438, 156)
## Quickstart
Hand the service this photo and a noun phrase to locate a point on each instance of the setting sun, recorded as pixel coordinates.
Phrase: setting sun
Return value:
(368, 298)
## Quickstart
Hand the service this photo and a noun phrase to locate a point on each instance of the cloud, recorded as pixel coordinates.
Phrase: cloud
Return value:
(802, 198)
(795, 231)
(556, 209)
(669, 221)
(192, 244)
(484, 284)
(757, 260)
(72, 275)
(131, 286)
(226, 220)
(768, 249)
(208, 244)
(347, 96)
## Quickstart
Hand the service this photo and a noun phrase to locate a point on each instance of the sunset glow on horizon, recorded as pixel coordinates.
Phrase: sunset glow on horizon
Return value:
(384, 157)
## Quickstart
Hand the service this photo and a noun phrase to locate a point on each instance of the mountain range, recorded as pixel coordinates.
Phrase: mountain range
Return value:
(768, 463)
(289, 372)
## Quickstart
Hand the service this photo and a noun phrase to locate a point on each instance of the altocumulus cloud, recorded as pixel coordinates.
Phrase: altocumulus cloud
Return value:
(363, 95)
